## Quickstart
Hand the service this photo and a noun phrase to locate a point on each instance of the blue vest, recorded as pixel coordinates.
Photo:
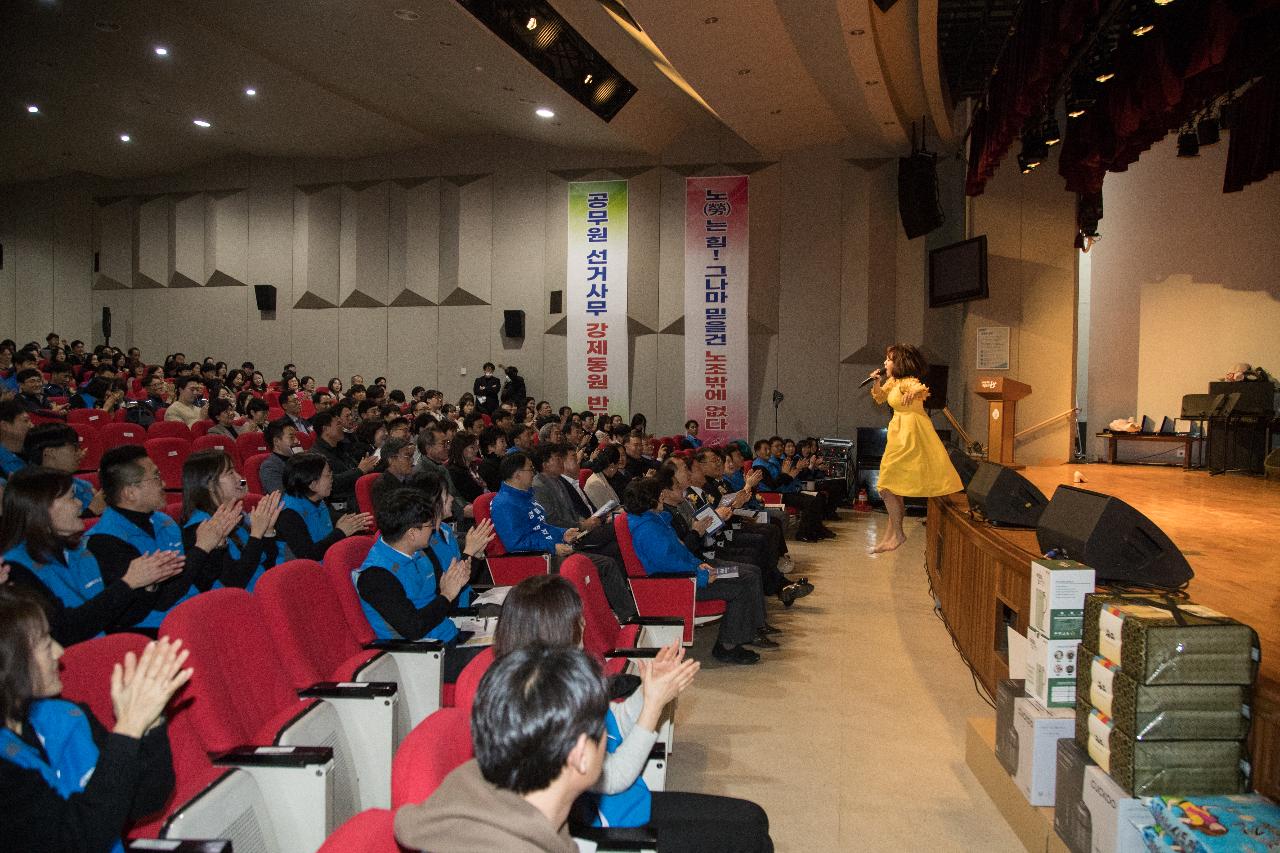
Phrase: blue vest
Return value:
(418, 577)
(74, 580)
(10, 462)
(168, 537)
(445, 548)
(236, 543)
(625, 808)
(315, 515)
(87, 400)
(84, 492)
(68, 743)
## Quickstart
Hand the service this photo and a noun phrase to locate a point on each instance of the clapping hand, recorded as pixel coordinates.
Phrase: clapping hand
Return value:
(663, 679)
(142, 686)
(262, 518)
(152, 568)
(213, 531)
(455, 578)
(479, 537)
(354, 522)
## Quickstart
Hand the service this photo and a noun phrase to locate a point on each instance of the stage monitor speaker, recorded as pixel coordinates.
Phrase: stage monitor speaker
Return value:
(513, 324)
(1115, 540)
(265, 294)
(935, 379)
(918, 194)
(966, 466)
(106, 323)
(1004, 497)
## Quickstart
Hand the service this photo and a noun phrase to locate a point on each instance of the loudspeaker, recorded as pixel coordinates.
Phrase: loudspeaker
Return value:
(918, 194)
(935, 378)
(265, 294)
(513, 324)
(557, 302)
(1115, 540)
(966, 466)
(106, 323)
(1004, 497)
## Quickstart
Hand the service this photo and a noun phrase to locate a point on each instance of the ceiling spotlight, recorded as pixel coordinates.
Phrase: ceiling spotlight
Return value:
(531, 24)
(199, 122)
(712, 20)
(33, 109)
(1143, 29)
(1188, 143)
(1104, 76)
(543, 112)
(251, 92)
(1027, 164)
(1076, 111)
(587, 79)
(124, 137)
(1208, 131)
(161, 50)
(1049, 131)
(1163, 2)
(406, 14)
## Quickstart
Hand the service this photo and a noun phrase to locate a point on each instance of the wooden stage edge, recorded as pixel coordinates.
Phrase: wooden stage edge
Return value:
(1228, 528)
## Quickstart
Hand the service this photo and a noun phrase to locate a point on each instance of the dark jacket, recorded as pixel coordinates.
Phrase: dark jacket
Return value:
(487, 390)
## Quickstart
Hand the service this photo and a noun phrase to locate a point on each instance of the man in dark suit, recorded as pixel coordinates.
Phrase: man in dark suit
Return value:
(486, 389)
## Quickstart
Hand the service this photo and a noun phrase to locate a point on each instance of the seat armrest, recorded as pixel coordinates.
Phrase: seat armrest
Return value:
(465, 611)
(149, 845)
(666, 576)
(654, 621)
(413, 646)
(542, 554)
(607, 838)
(349, 690)
(274, 756)
(659, 751)
(636, 653)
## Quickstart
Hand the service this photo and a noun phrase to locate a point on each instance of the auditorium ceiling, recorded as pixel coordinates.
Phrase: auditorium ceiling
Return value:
(346, 79)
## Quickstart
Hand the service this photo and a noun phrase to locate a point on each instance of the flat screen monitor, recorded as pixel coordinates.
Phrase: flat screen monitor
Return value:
(958, 273)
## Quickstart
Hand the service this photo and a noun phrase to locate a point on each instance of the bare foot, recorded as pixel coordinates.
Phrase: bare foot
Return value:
(893, 543)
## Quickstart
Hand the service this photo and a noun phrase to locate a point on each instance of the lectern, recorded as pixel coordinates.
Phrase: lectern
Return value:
(1002, 396)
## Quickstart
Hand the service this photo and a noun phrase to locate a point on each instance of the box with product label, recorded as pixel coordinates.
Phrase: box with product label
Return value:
(1112, 814)
(1146, 767)
(1156, 840)
(1006, 738)
(1248, 823)
(1071, 819)
(1162, 712)
(1058, 588)
(1038, 730)
(1051, 670)
(1159, 640)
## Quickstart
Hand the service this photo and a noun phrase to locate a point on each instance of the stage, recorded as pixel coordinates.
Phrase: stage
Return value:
(1226, 526)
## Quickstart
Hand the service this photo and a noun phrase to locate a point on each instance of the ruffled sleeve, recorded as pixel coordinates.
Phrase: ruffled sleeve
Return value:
(911, 385)
(881, 393)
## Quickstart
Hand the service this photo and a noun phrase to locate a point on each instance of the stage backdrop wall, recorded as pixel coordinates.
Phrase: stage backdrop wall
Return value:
(1184, 284)
(402, 266)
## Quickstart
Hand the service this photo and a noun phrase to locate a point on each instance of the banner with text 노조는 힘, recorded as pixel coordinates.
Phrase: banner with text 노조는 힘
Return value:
(596, 301)
(715, 306)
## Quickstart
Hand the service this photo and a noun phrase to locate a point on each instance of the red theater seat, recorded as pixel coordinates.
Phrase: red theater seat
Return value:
(666, 594)
(507, 569)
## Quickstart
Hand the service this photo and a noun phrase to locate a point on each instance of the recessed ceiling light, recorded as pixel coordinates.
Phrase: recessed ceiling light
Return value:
(124, 137)
(199, 122)
(775, 112)
(32, 108)
(161, 50)
(251, 92)
(407, 14)
(587, 79)
(543, 112)
(873, 82)
(712, 20)
(531, 24)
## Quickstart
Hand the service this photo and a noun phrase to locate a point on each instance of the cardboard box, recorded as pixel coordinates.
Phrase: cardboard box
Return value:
(1051, 670)
(1058, 588)
(1032, 825)
(1006, 738)
(1249, 823)
(1070, 817)
(1112, 814)
(1039, 729)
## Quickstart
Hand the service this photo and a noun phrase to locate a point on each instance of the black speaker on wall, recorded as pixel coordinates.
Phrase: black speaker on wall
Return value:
(513, 324)
(265, 294)
(1115, 540)
(1004, 497)
(935, 379)
(918, 194)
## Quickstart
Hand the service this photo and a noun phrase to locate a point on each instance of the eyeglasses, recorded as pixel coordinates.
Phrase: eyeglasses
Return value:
(154, 477)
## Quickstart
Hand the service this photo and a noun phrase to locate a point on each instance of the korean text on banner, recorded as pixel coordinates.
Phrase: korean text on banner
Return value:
(715, 306)
(596, 302)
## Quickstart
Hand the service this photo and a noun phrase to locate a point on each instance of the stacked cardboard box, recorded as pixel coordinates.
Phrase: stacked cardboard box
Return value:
(1058, 590)
(1162, 691)
(1240, 824)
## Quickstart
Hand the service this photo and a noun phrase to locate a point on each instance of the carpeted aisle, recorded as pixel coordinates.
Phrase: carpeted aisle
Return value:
(852, 734)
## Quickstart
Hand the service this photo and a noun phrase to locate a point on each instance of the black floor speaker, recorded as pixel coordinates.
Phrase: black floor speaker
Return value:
(966, 466)
(1119, 543)
(1004, 497)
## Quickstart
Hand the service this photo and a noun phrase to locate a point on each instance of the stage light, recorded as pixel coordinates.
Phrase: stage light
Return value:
(251, 92)
(531, 24)
(1208, 131)
(1049, 131)
(586, 80)
(199, 122)
(1188, 143)
(161, 50)
(1076, 112)
(1104, 76)
(1026, 164)
(543, 112)
(33, 109)
(124, 137)
(1163, 2)
(1143, 29)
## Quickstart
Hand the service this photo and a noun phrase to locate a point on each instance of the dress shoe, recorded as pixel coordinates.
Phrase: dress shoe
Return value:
(768, 629)
(763, 642)
(736, 655)
(802, 589)
(788, 594)
(827, 533)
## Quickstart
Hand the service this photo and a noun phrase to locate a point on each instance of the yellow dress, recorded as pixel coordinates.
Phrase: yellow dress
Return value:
(915, 463)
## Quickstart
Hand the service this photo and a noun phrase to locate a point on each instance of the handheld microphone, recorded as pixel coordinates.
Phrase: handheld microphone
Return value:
(872, 378)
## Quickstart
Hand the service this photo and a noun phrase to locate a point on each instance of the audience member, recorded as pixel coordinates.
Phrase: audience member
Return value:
(188, 408)
(210, 481)
(282, 437)
(57, 446)
(599, 486)
(305, 524)
(346, 470)
(493, 447)
(463, 467)
(15, 423)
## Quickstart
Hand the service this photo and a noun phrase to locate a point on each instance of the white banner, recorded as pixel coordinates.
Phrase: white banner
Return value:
(596, 301)
(715, 307)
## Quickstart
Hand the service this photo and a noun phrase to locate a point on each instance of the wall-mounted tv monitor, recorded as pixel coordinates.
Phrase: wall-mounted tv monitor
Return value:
(958, 273)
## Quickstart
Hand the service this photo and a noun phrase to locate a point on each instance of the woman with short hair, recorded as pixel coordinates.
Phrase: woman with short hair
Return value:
(305, 524)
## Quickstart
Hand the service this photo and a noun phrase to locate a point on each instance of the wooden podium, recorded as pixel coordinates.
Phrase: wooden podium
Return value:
(1002, 396)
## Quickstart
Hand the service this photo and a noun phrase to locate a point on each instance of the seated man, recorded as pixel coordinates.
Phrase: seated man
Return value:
(15, 423)
(398, 586)
(282, 438)
(62, 381)
(521, 525)
(332, 444)
(57, 446)
(778, 477)
(184, 408)
(31, 392)
(538, 726)
(433, 453)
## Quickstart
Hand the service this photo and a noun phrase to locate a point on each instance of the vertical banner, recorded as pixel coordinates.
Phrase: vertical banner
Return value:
(715, 307)
(596, 302)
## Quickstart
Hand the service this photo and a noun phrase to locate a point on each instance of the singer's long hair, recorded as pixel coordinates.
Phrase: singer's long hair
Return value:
(907, 361)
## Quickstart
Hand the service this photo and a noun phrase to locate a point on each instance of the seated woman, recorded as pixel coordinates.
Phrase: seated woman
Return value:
(546, 610)
(210, 480)
(305, 524)
(464, 449)
(607, 462)
(661, 552)
(100, 393)
(40, 538)
(223, 414)
(57, 446)
(68, 784)
(415, 573)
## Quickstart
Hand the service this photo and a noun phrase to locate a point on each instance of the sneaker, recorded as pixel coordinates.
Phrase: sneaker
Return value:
(736, 655)
(763, 642)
